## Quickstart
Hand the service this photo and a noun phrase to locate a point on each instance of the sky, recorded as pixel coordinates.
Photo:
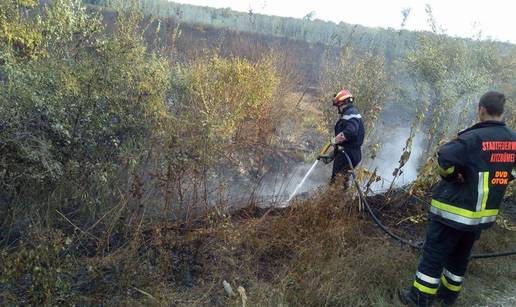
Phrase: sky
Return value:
(494, 19)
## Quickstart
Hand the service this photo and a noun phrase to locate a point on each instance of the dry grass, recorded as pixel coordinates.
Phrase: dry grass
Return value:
(319, 252)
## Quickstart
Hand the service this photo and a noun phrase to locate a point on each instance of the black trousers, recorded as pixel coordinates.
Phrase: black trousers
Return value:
(341, 166)
(340, 174)
(443, 264)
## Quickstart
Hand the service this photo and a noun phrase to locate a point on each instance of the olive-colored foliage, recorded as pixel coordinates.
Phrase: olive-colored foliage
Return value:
(91, 130)
(23, 37)
(450, 75)
(70, 119)
(223, 110)
(225, 101)
(39, 269)
(78, 115)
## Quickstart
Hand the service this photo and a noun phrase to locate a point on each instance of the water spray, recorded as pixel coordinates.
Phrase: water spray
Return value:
(323, 152)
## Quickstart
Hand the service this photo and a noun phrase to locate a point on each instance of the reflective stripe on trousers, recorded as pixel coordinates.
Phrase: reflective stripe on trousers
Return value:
(451, 281)
(426, 284)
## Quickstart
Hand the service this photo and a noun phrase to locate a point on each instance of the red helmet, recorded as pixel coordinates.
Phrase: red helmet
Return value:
(341, 97)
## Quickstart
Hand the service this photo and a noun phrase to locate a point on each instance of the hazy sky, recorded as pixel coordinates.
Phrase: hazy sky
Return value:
(494, 18)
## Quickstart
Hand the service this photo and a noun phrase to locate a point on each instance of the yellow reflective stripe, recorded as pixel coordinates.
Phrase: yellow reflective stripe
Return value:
(464, 212)
(486, 190)
(447, 171)
(424, 289)
(450, 286)
(461, 219)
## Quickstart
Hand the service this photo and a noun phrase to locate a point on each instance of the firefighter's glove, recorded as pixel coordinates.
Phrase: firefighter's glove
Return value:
(326, 158)
(460, 178)
(339, 139)
(456, 177)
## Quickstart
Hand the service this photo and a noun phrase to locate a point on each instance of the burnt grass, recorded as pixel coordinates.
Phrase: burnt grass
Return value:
(319, 251)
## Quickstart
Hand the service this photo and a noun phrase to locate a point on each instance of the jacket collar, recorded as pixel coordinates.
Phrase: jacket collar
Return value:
(347, 107)
(484, 124)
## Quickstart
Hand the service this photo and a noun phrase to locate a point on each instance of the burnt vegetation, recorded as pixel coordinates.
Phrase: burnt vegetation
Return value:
(126, 129)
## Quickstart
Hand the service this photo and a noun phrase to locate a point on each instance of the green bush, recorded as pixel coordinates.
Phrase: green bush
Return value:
(74, 118)
(38, 272)
(225, 101)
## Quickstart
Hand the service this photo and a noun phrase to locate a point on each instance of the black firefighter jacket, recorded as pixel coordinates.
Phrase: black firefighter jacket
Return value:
(483, 155)
(351, 125)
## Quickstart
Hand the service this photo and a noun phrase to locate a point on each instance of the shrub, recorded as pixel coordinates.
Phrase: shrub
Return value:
(226, 101)
(71, 121)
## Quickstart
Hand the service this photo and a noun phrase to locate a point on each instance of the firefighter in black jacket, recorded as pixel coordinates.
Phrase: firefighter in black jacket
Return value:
(349, 137)
(476, 168)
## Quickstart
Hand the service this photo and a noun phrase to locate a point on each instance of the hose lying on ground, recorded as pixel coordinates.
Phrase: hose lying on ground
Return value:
(398, 238)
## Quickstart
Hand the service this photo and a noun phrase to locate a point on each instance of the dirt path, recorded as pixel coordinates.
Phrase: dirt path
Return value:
(495, 298)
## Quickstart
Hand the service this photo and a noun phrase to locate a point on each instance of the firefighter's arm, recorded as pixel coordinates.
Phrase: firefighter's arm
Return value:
(350, 130)
(450, 159)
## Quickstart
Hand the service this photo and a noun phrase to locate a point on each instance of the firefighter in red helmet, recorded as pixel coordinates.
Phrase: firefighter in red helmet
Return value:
(349, 137)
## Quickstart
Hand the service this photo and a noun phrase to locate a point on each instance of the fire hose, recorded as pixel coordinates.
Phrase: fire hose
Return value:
(391, 234)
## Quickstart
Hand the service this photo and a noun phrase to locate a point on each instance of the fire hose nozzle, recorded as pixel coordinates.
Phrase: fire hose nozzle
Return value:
(324, 156)
(325, 148)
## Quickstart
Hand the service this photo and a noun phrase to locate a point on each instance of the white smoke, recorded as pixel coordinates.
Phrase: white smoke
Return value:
(278, 186)
(388, 157)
